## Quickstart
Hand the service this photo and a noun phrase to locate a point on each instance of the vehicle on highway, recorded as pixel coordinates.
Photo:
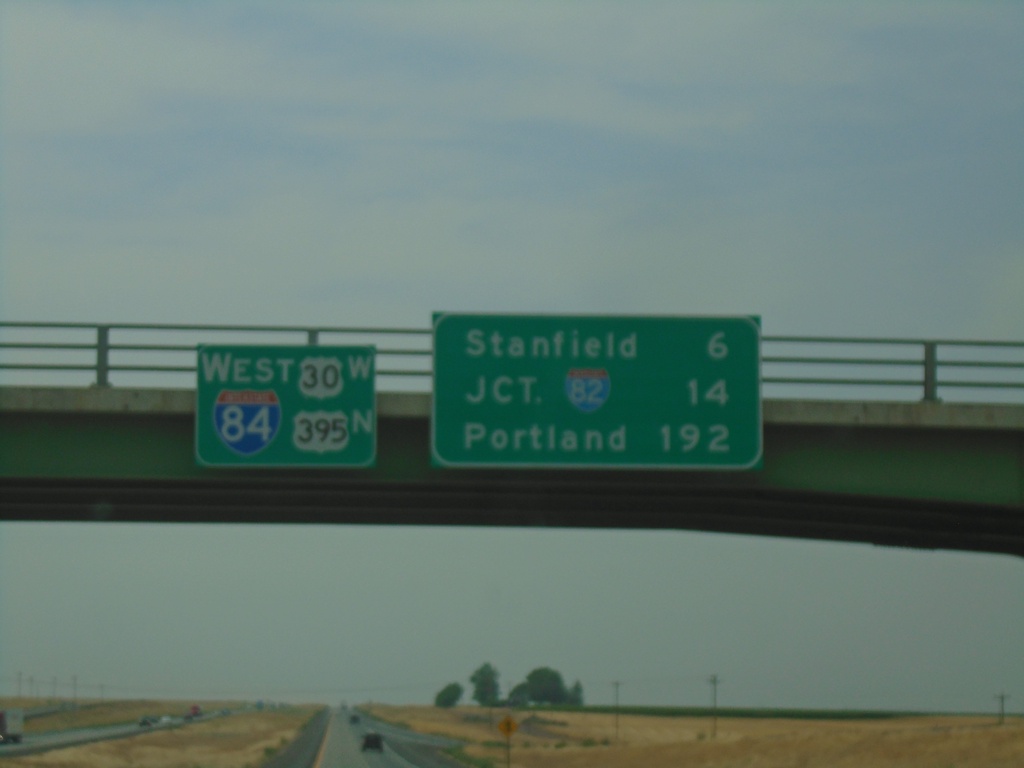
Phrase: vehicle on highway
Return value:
(12, 725)
(148, 721)
(354, 719)
(373, 741)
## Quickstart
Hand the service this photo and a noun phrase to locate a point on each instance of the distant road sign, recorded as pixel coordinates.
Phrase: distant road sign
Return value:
(286, 406)
(586, 391)
(508, 726)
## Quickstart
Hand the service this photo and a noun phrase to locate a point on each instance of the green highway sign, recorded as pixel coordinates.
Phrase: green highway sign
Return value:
(286, 406)
(597, 392)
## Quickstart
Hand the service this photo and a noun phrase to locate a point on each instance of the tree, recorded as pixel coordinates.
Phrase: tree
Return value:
(545, 686)
(576, 695)
(519, 696)
(485, 685)
(448, 696)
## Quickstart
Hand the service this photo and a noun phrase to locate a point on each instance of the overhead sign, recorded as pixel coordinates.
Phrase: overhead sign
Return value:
(587, 391)
(286, 406)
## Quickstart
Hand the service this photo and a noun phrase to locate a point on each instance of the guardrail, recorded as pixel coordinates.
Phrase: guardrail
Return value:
(164, 355)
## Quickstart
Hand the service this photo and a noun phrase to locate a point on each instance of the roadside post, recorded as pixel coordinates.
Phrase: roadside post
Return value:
(508, 726)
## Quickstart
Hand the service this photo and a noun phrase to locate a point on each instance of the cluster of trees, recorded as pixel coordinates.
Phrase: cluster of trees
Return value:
(543, 685)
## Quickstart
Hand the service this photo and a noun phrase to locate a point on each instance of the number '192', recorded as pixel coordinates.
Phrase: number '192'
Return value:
(688, 437)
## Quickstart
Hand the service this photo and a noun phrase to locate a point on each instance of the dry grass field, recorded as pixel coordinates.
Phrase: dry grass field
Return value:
(239, 741)
(559, 740)
(587, 740)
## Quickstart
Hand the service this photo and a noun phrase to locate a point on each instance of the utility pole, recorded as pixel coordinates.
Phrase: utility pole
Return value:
(713, 680)
(1002, 706)
(616, 685)
(19, 685)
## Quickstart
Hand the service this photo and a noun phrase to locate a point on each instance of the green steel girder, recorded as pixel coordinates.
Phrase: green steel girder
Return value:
(920, 487)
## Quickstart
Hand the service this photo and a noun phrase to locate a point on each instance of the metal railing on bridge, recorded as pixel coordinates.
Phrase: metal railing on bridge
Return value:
(809, 367)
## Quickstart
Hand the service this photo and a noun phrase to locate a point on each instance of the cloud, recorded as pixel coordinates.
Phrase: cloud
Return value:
(386, 160)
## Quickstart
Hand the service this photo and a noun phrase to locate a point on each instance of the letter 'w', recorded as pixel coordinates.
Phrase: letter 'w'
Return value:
(215, 366)
(359, 367)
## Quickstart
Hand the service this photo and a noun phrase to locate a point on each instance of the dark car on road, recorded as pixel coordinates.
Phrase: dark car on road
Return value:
(373, 741)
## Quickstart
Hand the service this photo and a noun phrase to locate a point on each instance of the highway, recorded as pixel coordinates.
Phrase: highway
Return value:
(341, 747)
(402, 748)
(33, 743)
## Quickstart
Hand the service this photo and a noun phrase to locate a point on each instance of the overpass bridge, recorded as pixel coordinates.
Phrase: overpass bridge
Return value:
(896, 442)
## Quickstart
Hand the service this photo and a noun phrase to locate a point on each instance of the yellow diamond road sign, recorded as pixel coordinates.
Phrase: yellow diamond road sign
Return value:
(508, 726)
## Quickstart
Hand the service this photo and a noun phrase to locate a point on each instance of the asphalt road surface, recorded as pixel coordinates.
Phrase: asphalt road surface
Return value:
(402, 748)
(33, 743)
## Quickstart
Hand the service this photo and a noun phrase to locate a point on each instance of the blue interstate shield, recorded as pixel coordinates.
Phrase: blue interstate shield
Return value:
(587, 388)
(247, 420)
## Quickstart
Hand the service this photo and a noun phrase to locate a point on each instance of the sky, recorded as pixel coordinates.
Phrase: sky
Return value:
(837, 169)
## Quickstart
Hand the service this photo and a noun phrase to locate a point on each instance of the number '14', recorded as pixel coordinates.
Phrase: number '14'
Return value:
(715, 393)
